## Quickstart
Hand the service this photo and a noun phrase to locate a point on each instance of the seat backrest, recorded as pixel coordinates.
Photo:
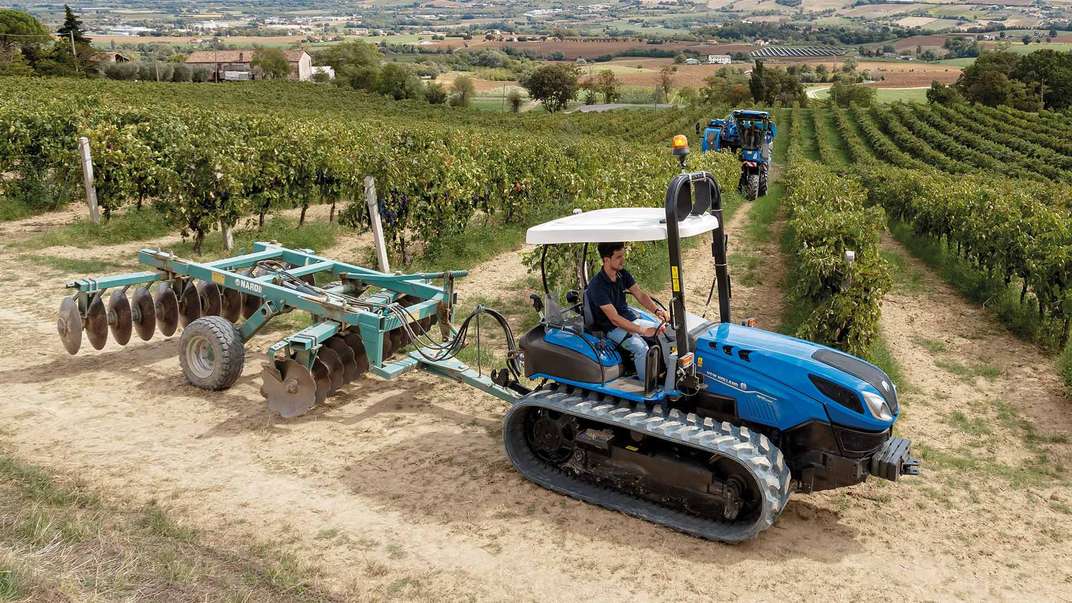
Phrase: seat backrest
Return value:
(586, 309)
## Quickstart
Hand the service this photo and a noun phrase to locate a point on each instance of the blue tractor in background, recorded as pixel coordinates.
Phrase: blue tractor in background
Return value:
(730, 419)
(752, 134)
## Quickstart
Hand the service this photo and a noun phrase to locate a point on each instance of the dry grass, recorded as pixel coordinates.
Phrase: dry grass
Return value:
(61, 541)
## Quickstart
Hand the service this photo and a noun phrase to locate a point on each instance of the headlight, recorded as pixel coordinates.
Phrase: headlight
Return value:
(878, 406)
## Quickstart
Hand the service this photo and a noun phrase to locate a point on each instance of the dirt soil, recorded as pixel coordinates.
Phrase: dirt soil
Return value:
(401, 489)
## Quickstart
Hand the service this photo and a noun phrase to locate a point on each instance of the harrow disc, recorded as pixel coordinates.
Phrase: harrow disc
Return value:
(167, 310)
(322, 377)
(143, 313)
(289, 387)
(250, 304)
(360, 358)
(97, 323)
(388, 346)
(120, 317)
(69, 325)
(336, 372)
(346, 355)
(211, 299)
(189, 305)
(232, 305)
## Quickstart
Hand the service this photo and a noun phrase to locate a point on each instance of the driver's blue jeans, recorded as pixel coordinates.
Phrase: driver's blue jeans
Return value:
(634, 344)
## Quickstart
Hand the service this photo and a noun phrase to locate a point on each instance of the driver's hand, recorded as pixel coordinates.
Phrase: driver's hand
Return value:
(662, 314)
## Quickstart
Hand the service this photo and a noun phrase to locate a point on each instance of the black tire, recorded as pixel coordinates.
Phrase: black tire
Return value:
(211, 353)
(763, 183)
(752, 193)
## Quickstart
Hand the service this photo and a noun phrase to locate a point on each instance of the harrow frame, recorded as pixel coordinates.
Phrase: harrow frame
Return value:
(332, 313)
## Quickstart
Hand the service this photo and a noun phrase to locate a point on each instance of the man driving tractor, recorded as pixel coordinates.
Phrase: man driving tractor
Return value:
(610, 312)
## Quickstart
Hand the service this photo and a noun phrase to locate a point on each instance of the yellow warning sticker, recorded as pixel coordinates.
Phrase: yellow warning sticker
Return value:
(674, 280)
(218, 278)
(699, 361)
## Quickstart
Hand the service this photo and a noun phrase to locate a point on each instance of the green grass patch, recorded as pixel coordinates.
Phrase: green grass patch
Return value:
(1064, 366)
(764, 212)
(934, 346)
(14, 209)
(975, 425)
(317, 236)
(10, 584)
(477, 244)
(75, 265)
(906, 278)
(132, 225)
(968, 371)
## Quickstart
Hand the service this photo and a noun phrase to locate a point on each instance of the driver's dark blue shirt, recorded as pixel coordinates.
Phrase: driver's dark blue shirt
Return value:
(602, 292)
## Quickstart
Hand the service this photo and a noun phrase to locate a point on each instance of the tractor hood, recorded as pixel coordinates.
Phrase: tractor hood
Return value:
(836, 379)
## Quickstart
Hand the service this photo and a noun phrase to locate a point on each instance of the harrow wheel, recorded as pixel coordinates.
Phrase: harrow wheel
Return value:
(120, 317)
(69, 325)
(211, 353)
(189, 305)
(288, 387)
(143, 313)
(97, 323)
(167, 310)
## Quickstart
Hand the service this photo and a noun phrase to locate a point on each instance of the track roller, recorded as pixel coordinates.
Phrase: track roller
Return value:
(143, 313)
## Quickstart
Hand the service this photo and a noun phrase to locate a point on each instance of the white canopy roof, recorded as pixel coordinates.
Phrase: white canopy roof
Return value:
(616, 224)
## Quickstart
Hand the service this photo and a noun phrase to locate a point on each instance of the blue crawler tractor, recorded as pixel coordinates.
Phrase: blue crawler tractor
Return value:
(751, 133)
(730, 420)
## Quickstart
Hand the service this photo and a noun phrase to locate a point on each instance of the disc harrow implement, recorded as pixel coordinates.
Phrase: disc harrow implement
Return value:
(361, 320)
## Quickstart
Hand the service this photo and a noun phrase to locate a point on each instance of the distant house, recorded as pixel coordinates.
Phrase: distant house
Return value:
(719, 59)
(226, 64)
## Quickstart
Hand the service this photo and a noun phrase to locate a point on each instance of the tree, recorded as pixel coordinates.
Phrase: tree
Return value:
(271, 63)
(22, 39)
(435, 94)
(757, 84)
(399, 82)
(464, 90)
(821, 72)
(666, 80)
(726, 86)
(356, 63)
(1050, 72)
(514, 99)
(849, 65)
(72, 27)
(987, 79)
(554, 85)
(941, 94)
(606, 83)
(1026, 39)
(845, 93)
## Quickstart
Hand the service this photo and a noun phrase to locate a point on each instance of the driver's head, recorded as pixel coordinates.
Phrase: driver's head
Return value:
(613, 255)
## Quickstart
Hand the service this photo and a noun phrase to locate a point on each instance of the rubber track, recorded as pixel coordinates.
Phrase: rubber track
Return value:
(752, 450)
